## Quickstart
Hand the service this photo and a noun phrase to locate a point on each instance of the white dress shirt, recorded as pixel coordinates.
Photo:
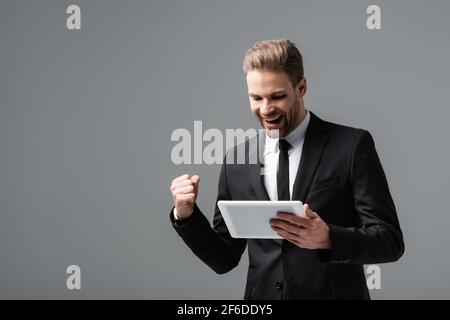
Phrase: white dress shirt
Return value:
(271, 152)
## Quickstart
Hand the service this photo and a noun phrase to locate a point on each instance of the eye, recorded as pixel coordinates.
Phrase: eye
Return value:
(278, 97)
(256, 98)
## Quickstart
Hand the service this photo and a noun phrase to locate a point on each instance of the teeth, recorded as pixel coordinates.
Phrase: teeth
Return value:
(274, 117)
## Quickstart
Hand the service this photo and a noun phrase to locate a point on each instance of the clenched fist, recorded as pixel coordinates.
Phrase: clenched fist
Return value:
(184, 193)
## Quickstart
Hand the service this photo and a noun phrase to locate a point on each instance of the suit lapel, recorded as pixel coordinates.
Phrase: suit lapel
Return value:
(315, 142)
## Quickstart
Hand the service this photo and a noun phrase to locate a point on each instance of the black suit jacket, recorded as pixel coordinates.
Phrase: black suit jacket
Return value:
(340, 176)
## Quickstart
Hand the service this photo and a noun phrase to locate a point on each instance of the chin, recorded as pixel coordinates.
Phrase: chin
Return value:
(275, 133)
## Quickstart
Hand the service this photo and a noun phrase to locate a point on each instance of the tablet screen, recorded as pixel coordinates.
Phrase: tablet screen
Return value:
(250, 219)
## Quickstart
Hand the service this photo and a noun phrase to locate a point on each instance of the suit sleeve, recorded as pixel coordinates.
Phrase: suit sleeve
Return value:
(379, 239)
(214, 246)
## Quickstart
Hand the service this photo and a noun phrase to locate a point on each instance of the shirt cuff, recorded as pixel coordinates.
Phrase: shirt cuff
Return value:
(175, 214)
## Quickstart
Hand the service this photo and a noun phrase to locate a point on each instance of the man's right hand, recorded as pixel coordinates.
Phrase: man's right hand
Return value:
(184, 193)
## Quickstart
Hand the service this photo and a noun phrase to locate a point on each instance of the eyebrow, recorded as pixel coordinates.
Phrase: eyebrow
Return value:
(272, 94)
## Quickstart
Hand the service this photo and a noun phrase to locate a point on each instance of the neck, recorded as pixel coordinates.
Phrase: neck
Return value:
(301, 116)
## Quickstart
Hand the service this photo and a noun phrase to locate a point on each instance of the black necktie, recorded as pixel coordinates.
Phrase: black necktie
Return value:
(283, 170)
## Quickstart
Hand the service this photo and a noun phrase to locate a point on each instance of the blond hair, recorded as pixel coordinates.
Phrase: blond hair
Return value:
(275, 55)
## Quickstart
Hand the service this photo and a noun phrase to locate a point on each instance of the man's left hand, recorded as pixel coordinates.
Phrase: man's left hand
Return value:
(309, 233)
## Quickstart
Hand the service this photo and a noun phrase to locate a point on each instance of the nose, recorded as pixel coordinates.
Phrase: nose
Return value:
(266, 107)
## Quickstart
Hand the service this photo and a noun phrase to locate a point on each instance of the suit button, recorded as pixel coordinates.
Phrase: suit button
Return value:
(279, 285)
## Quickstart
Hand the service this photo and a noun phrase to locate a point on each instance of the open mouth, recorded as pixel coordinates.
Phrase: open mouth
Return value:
(274, 120)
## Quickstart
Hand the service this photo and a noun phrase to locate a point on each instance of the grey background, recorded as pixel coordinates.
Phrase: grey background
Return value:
(86, 118)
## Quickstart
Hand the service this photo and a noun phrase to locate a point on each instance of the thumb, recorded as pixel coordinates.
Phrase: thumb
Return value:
(309, 213)
(196, 181)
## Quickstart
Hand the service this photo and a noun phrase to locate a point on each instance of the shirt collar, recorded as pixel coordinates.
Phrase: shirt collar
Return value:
(295, 138)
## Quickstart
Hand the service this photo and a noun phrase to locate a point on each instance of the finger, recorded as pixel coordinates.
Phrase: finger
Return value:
(287, 226)
(292, 218)
(175, 186)
(185, 190)
(297, 243)
(196, 180)
(309, 213)
(285, 234)
(291, 238)
(299, 234)
(183, 183)
(180, 178)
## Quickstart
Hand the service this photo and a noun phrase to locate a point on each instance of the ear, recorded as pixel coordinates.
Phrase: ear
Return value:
(301, 87)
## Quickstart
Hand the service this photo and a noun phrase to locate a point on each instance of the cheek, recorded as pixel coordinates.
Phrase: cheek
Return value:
(285, 107)
(254, 108)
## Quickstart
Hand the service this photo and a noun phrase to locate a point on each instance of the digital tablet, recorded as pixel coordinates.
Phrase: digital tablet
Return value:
(250, 219)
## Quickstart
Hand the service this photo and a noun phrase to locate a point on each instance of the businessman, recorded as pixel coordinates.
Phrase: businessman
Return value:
(334, 170)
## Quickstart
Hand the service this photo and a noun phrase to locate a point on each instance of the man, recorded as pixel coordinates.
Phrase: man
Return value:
(334, 170)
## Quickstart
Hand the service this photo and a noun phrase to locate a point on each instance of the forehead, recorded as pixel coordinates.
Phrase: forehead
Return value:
(265, 82)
